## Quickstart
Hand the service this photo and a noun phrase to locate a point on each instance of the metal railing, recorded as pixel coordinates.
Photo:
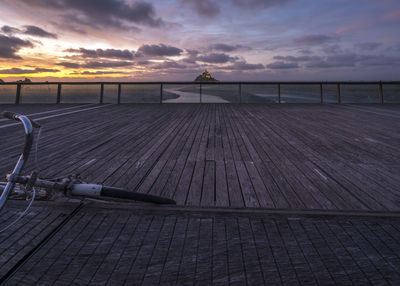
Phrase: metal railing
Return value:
(204, 92)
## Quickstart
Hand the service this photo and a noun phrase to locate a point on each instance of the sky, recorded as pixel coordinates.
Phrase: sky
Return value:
(248, 40)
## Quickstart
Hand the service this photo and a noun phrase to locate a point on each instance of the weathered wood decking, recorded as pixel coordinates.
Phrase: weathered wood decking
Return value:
(260, 165)
(111, 246)
(268, 156)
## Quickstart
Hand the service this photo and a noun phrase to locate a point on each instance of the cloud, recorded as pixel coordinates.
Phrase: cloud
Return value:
(159, 50)
(216, 58)
(25, 71)
(97, 72)
(329, 64)
(242, 65)
(226, 47)
(354, 27)
(333, 49)
(112, 64)
(379, 60)
(103, 53)
(10, 30)
(335, 60)
(101, 12)
(313, 40)
(69, 65)
(143, 63)
(204, 8)
(367, 46)
(168, 65)
(295, 58)
(192, 56)
(346, 60)
(282, 65)
(38, 32)
(257, 4)
(9, 46)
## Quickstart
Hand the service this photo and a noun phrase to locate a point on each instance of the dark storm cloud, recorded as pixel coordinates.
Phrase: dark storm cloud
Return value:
(244, 66)
(368, 46)
(313, 40)
(226, 48)
(282, 65)
(9, 46)
(159, 50)
(216, 58)
(103, 12)
(25, 71)
(204, 8)
(38, 32)
(168, 65)
(103, 53)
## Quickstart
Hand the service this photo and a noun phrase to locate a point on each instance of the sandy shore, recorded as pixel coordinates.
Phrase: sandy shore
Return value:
(187, 97)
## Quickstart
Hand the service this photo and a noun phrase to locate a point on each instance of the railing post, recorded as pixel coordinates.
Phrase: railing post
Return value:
(338, 93)
(18, 94)
(58, 93)
(161, 92)
(321, 98)
(200, 94)
(119, 94)
(240, 92)
(101, 93)
(380, 93)
(279, 93)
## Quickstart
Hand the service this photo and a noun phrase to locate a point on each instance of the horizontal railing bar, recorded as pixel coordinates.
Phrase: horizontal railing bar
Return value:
(216, 83)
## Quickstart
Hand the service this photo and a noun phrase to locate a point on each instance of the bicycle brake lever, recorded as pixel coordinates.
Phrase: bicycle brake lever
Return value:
(30, 183)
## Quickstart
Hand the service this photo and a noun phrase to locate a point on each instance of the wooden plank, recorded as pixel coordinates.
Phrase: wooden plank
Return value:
(208, 193)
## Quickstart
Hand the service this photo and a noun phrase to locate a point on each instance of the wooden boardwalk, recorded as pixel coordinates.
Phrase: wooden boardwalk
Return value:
(336, 157)
(103, 245)
(267, 194)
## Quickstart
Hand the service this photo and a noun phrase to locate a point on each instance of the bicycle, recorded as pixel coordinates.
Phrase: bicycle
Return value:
(69, 185)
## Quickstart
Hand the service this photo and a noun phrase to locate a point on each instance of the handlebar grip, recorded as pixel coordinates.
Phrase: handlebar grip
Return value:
(14, 116)
(10, 115)
(123, 194)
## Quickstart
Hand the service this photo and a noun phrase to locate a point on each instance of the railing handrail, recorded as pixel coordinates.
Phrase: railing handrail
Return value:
(321, 84)
(204, 82)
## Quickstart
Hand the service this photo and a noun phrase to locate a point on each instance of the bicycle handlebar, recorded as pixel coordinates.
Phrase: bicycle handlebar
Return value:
(15, 116)
(28, 124)
(91, 190)
(99, 191)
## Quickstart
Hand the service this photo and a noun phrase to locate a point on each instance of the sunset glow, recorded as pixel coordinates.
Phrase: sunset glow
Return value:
(152, 40)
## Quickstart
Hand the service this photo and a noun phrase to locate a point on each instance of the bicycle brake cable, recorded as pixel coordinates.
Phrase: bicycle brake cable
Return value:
(36, 149)
(23, 213)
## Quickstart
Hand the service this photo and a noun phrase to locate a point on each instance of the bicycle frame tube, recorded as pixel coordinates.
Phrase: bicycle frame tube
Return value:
(22, 158)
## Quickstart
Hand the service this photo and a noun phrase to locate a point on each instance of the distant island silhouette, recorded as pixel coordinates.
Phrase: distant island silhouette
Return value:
(26, 80)
(205, 76)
